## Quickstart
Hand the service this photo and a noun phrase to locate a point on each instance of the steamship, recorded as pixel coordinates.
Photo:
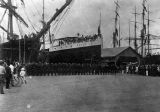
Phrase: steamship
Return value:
(80, 49)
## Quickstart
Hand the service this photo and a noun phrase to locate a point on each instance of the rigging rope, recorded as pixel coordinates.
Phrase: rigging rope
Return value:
(60, 19)
(3, 16)
(65, 14)
(20, 29)
(18, 24)
(29, 20)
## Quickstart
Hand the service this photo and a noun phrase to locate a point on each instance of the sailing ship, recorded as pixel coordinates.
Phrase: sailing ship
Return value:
(16, 48)
(27, 48)
(77, 49)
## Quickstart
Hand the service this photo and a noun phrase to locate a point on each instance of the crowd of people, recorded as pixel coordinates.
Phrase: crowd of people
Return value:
(7, 72)
(146, 70)
(79, 39)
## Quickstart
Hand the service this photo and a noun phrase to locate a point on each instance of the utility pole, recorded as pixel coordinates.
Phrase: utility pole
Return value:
(115, 33)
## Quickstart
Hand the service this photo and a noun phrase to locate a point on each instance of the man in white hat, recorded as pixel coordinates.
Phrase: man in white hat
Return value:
(23, 74)
(2, 73)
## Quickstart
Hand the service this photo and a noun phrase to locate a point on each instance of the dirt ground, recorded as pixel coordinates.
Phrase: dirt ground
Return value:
(107, 93)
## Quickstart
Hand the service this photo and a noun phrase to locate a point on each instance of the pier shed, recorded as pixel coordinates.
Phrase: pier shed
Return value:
(120, 55)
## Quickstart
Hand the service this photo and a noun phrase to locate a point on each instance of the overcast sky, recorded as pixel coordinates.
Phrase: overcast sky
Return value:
(83, 17)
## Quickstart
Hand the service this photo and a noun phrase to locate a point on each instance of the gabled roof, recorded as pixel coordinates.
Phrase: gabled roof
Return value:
(112, 52)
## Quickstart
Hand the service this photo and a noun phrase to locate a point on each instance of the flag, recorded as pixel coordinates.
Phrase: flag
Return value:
(116, 32)
(115, 40)
(99, 29)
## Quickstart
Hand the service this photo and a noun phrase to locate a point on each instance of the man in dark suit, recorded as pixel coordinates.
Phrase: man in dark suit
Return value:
(2, 75)
(8, 75)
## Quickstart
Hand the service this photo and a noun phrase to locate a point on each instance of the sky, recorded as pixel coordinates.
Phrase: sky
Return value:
(83, 17)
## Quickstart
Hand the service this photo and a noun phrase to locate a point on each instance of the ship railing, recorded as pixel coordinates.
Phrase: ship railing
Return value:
(70, 45)
(81, 41)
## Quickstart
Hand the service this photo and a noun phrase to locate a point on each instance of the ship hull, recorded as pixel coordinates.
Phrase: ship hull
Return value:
(20, 50)
(87, 54)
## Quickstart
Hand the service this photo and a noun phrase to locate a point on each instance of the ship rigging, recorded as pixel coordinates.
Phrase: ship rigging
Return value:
(28, 47)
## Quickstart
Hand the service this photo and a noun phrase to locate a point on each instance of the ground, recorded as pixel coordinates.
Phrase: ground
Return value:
(107, 93)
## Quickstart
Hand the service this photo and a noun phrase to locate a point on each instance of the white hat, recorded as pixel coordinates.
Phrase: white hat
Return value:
(22, 69)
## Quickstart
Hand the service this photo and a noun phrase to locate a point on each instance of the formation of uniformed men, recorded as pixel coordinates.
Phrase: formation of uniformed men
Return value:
(69, 69)
(40, 69)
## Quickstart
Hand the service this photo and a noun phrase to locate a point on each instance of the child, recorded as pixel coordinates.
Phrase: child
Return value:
(23, 74)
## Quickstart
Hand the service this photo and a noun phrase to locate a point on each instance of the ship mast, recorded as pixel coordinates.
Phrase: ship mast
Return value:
(129, 42)
(135, 30)
(47, 25)
(143, 31)
(119, 40)
(115, 33)
(148, 42)
(99, 31)
(43, 22)
(10, 29)
(10, 22)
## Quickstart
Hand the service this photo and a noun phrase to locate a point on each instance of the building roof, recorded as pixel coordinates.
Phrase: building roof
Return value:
(113, 52)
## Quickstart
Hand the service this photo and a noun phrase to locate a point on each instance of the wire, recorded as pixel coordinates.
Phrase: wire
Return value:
(20, 29)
